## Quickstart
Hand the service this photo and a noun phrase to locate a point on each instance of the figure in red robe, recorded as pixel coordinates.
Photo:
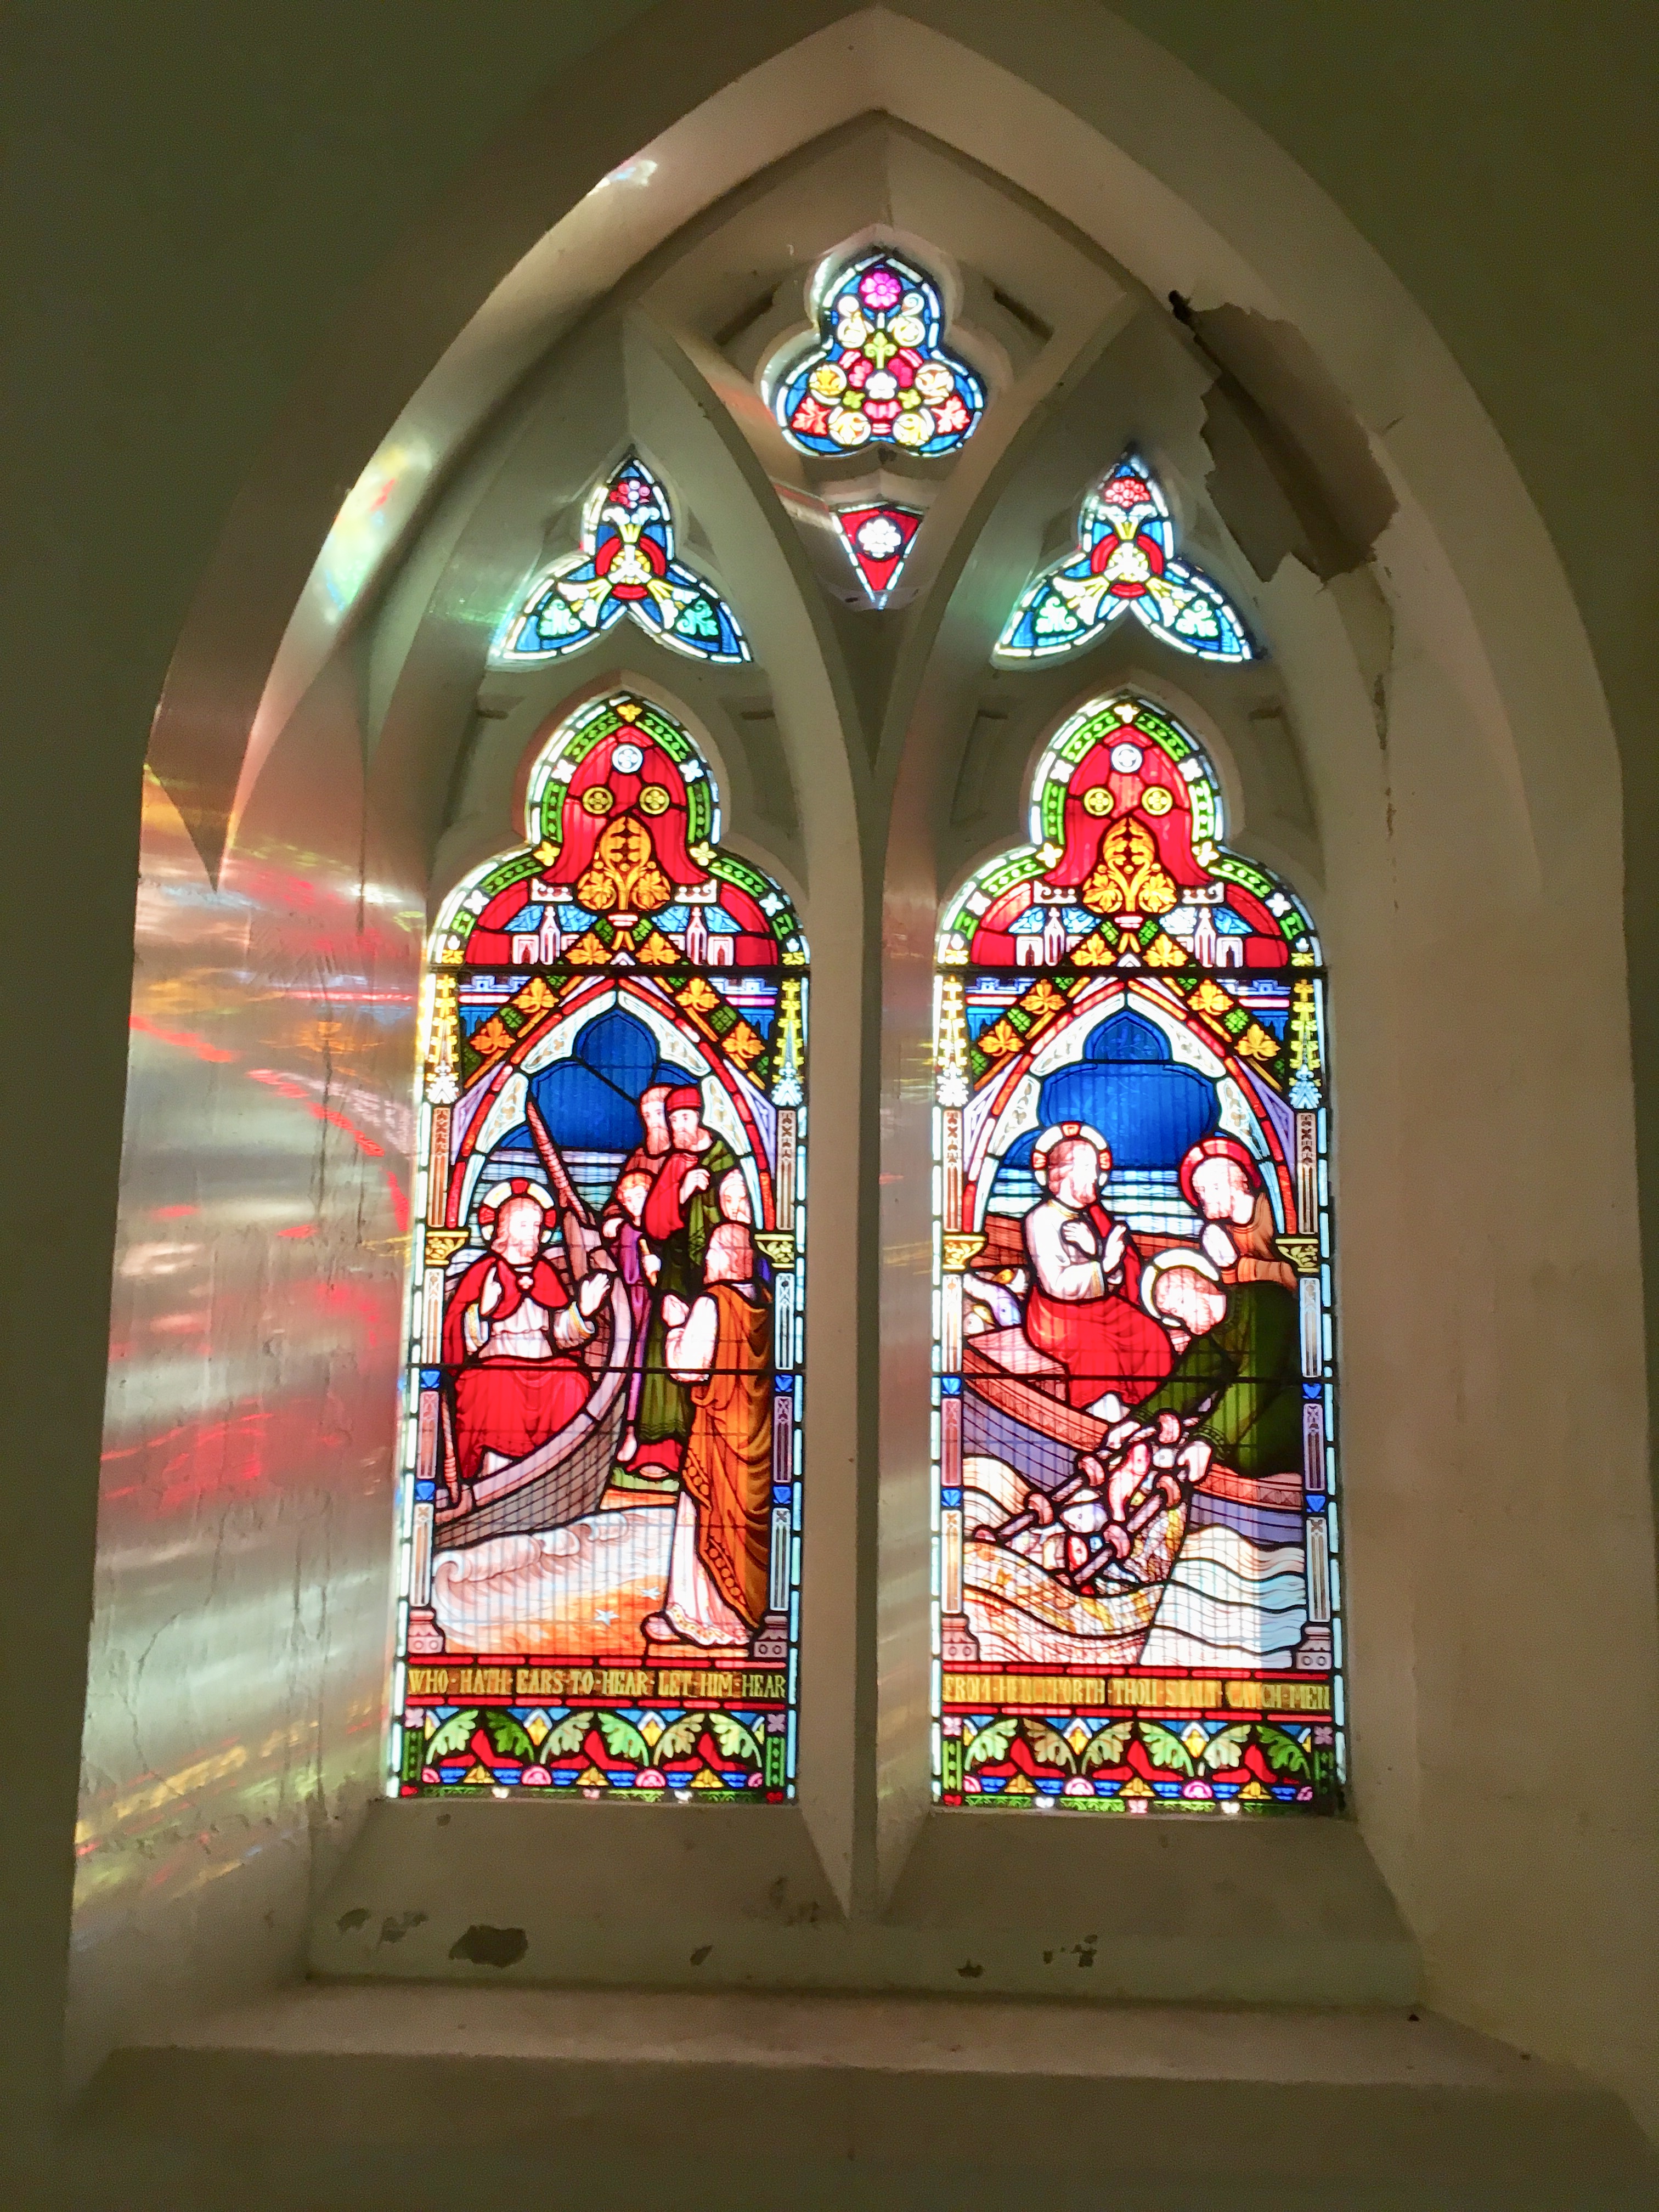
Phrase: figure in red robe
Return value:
(679, 1217)
(513, 1336)
(1085, 1306)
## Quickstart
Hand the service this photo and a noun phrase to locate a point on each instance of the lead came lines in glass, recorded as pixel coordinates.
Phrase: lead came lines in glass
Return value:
(614, 1054)
(879, 374)
(1133, 1470)
(1124, 563)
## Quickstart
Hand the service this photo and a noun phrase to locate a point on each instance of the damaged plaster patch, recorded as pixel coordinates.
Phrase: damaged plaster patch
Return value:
(484, 1946)
(1294, 471)
(350, 1921)
(803, 1911)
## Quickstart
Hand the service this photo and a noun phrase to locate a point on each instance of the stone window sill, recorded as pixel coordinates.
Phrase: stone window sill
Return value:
(1172, 1910)
(369, 2095)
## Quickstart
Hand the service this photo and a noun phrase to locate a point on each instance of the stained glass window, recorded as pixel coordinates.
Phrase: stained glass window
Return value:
(601, 1522)
(626, 566)
(879, 373)
(1125, 563)
(1136, 1552)
(878, 541)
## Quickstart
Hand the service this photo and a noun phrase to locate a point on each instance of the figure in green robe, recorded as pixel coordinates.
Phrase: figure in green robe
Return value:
(1238, 1366)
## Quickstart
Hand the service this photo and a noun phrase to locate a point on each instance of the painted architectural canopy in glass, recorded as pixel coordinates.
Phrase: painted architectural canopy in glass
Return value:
(626, 567)
(1125, 563)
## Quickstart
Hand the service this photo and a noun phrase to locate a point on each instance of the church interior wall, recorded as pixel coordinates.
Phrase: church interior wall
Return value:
(241, 1613)
(1428, 755)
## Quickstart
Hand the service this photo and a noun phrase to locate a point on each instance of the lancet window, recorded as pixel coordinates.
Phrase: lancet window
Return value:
(1136, 1552)
(601, 1516)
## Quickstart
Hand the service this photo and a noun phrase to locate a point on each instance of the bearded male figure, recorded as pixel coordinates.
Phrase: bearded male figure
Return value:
(721, 1347)
(1084, 1309)
(638, 1266)
(1221, 1180)
(512, 1336)
(1236, 1387)
(678, 1219)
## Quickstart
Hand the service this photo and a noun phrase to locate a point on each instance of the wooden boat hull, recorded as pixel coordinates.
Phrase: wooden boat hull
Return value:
(1023, 1615)
(562, 1479)
(1013, 1413)
(1019, 1415)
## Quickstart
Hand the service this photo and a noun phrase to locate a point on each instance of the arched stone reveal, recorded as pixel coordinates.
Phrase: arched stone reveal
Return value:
(1423, 749)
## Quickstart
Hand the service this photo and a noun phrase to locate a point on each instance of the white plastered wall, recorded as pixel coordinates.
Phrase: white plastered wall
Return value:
(1462, 794)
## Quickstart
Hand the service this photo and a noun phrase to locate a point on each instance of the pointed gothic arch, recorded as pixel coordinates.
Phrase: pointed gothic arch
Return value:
(1461, 683)
(601, 1490)
(1134, 1382)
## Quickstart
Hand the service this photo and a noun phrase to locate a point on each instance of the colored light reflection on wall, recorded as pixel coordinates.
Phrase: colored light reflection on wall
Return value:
(233, 1710)
(370, 517)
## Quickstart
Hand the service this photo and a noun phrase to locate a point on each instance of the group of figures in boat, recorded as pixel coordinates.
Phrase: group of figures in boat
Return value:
(640, 1339)
(1163, 1372)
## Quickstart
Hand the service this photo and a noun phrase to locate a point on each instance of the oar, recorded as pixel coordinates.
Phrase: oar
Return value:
(574, 1217)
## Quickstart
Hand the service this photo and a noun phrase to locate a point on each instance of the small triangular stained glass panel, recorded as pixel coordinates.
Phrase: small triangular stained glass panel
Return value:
(878, 541)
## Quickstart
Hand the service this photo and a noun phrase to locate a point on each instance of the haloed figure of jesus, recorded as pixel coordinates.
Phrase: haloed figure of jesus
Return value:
(1084, 1309)
(513, 1334)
